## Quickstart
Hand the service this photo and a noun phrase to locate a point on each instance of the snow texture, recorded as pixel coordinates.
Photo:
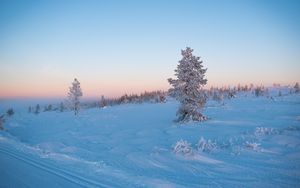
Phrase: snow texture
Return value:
(247, 142)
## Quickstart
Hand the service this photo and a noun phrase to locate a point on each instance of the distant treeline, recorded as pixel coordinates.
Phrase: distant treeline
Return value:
(218, 94)
(150, 97)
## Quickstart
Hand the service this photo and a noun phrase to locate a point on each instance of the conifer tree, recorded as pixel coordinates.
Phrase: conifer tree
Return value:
(297, 88)
(103, 102)
(74, 94)
(2, 120)
(37, 109)
(61, 107)
(188, 87)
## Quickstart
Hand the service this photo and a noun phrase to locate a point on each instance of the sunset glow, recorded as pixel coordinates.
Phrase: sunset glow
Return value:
(117, 47)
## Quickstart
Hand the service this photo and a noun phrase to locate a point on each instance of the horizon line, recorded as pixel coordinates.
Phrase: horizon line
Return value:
(92, 96)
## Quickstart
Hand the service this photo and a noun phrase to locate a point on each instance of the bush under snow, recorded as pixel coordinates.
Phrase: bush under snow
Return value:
(206, 145)
(253, 146)
(183, 147)
(261, 131)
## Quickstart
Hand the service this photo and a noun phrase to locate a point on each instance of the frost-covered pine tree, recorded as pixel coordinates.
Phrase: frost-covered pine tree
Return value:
(188, 87)
(74, 94)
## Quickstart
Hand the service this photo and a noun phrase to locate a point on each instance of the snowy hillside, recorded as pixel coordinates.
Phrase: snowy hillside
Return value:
(248, 142)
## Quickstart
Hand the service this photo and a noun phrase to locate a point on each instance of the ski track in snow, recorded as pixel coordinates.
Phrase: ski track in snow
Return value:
(77, 179)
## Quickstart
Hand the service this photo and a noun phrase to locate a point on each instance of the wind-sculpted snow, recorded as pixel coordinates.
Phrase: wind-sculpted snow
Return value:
(247, 142)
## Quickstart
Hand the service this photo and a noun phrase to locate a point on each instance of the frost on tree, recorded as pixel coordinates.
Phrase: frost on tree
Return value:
(74, 94)
(188, 87)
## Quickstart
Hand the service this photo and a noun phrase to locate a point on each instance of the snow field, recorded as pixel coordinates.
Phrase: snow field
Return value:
(249, 141)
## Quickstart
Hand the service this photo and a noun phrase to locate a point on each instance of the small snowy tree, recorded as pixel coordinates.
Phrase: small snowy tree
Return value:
(188, 87)
(10, 112)
(2, 120)
(37, 109)
(259, 91)
(74, 94)
(49, 108)
(103, 102)
(297, 88)
(61, 107)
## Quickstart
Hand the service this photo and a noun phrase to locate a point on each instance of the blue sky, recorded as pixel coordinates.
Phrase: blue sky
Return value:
(117, 47)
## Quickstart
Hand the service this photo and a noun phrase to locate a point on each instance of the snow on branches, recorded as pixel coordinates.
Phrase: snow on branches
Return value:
(74, 94)
(188, 87)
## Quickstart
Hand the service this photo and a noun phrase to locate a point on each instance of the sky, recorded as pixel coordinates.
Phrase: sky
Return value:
(117, 47)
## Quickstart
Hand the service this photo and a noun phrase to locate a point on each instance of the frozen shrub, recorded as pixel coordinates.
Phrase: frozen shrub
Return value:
(37, 109)
(62, 107)
(261, 131)
(253, 146)
(292, 128)
(297, 88)
(259, 91)
(10, 112)
(103, 102)
(1, 122)
(49, 107)
(218, 96)
(182, 147)
(206, 145)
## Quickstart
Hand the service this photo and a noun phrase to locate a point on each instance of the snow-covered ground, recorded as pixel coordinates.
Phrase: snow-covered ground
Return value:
(248, 142)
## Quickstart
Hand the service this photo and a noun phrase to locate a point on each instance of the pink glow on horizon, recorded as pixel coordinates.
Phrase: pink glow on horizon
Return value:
(89, 90)
(109, 90)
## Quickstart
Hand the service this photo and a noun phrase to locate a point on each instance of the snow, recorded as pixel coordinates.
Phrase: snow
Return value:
(249, 141)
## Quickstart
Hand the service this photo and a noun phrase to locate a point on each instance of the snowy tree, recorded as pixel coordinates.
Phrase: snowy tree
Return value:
(74, 94)
(49, 107)
(37, 109)
(297, 88)
(259, 91)
(61, 107)
(10, 112)
(103, 102)
(2, 120)
(188, 87)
